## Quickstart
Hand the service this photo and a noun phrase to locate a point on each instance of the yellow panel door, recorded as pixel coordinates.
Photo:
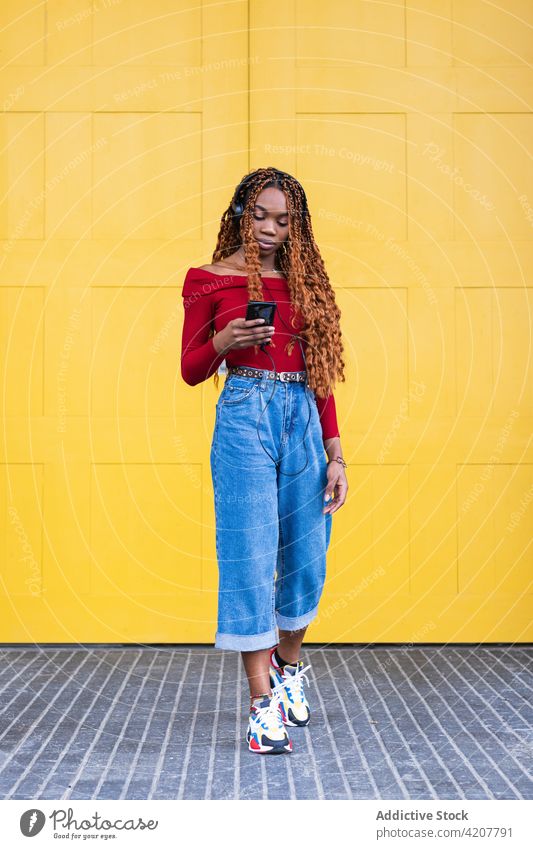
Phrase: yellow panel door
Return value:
(123, 128)
(123, 137)
(409, 132)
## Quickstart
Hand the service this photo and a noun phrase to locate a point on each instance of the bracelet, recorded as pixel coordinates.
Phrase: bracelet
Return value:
(340, 460)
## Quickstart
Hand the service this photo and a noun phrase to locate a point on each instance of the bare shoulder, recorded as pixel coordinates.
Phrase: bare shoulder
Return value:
(226, 265)
(217, 268)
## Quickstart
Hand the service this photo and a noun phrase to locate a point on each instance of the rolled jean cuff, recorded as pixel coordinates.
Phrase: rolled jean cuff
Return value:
(294, 623)
(247, 642)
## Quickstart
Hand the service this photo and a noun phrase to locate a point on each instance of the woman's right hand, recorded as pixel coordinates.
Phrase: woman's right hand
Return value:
(240, 333)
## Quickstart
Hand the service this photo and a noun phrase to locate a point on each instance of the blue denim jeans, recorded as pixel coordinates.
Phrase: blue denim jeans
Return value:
(271, 533)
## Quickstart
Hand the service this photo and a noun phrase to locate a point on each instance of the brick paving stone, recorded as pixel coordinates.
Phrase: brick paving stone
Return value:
(169, 722)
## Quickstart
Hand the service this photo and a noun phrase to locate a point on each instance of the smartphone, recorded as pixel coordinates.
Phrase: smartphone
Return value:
(261, 309)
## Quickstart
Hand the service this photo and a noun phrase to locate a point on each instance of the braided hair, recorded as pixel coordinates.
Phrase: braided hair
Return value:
(301, 263)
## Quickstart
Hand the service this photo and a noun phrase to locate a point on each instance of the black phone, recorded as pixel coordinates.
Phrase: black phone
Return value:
(262, 309)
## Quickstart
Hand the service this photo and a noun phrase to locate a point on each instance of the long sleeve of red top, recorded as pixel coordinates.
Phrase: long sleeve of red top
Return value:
(213, 300)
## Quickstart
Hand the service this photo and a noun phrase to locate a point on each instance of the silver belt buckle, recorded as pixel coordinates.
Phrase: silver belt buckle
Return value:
(284, 376)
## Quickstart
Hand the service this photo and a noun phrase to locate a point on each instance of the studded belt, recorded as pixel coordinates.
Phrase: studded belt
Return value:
(283, 376)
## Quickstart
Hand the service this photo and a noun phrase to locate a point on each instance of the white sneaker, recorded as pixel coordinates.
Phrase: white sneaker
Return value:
(266, 733)
(287, 681)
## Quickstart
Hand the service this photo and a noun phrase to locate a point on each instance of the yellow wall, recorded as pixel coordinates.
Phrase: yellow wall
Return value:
(125, 127)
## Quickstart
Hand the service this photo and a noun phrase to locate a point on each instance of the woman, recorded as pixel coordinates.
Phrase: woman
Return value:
(274, 419)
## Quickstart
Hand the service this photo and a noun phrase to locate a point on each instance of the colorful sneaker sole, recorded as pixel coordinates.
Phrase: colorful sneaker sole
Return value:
(278, 749)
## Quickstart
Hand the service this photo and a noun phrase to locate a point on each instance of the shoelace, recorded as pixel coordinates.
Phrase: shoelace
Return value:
(290, 681)
(269, 712)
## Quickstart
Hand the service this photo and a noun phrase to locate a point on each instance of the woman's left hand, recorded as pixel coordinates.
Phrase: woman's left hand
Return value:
(336, 483)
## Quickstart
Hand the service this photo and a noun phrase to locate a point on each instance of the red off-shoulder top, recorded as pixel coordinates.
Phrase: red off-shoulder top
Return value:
(211, 299)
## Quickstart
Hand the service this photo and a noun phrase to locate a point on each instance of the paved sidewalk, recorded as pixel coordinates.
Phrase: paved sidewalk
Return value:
(168, 722)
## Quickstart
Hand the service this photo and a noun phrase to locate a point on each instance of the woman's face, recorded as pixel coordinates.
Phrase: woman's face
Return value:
(270, 221)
